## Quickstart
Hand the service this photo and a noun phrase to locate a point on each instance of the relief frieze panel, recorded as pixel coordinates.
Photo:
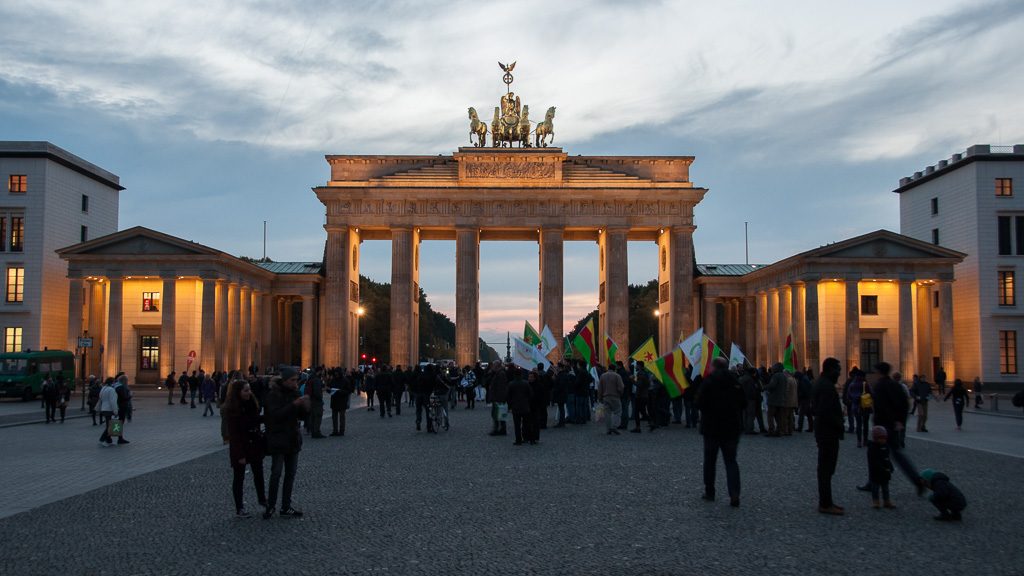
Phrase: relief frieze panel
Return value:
(505, 208)
(510, 170)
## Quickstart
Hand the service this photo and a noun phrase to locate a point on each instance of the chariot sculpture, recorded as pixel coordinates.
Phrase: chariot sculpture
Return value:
(511, 121)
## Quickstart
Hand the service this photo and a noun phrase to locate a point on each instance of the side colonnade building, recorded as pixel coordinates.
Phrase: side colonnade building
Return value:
(153, 303)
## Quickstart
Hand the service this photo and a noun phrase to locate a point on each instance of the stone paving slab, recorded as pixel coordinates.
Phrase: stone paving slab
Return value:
(386, 499)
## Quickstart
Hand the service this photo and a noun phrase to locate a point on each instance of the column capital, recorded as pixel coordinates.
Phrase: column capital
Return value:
(209, 275)
(336, 228)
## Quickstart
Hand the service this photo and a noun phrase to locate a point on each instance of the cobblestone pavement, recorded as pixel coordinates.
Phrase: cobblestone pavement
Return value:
(386, 499)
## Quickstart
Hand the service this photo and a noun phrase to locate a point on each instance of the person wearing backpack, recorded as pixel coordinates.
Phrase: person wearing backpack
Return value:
(860, 402)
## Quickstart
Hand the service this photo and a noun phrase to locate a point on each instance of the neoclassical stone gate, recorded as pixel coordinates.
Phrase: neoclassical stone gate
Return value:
(477, 194)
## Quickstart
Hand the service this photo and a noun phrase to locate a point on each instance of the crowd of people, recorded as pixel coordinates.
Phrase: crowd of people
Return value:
(268, 414)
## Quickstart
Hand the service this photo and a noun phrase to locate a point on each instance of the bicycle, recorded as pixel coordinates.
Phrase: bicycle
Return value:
(437, 414)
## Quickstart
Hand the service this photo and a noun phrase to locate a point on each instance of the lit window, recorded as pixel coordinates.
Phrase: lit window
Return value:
(17, 233)
(85, 203)
(1004, 187)
(935, 236)
(17, 184)
(1007, 351)
(16, 284)
(149, 348)
(869, 305)
(12, 339)
(1006, 290)
(935, 206)
(150, 301)
(85, 233)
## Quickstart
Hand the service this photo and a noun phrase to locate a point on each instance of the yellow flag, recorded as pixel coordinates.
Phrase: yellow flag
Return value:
(646, 353)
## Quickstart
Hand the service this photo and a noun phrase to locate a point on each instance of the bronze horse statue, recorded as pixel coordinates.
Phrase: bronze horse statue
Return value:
(545, 129)
(478, 128)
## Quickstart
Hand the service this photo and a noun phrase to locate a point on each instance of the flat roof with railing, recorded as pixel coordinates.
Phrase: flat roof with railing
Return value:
(972, 154)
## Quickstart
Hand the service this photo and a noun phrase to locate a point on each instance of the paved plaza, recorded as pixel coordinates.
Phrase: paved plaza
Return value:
(386, 499)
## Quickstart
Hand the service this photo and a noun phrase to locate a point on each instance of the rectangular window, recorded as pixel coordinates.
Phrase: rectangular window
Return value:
(15, 284)
(1005, 236)
(12, 339)
(935, 236)
(85, 203)
(85, 233)
(17, 184)
(870, 353)
(935, 206)
(3, 232)
(1018, 221)
(1007, 351)
(17, 233)
(1007, 295)
(1004, 187)
(150, 301)
(149, 348)
(869, 305)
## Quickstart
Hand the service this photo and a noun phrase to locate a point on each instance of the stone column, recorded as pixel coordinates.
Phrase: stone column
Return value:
(924, 333)
(906, 323)
(467, 296)
(220, 332)
(773, 327)
(613, 304)
(286, 329)
(276, 342)
(404, 317)
(168, 327)
(76, 300)
(341, 297)
(710, 318)
(307, 331)
(785, 317)
(246, 339)
(946, 329)
(675, 285)
(97, 323)
(233, 325)
(208, 321)
(552, 256)
(853, 324)
(812, 333)
(267, 330)
(748, 313)
(796, 309)
(762, 329)
(112, 351)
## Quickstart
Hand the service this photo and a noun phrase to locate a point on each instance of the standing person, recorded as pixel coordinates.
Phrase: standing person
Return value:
(641, 400)
(540, 397)
(977, 393)
(752, 391)
(804, 387)
(63, 397)
(879, 467)
(50, 397)
(315, 391)
(828, 431)
(108, 407)
(777, 388)
(241, 412)
(861, 402)
(922, 393)
(398, 380)
(383, 386)
(560, 391)
(171, 383)
(518, 398)
(961, 399)
(193, 385)
(891, 407)
(183, 385)
(421, 387)
(581, 407)
(609, 392)
(627, 394)
(284, 410)
(94, 397)
(208, 394)
(341, 394)
(369, 381)
(469, 386)
(497, 394)
(124, 404)
(940, 381)
(721, 402)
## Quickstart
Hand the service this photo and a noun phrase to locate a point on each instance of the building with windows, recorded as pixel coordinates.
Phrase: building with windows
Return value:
(973, 203)
(51, 198)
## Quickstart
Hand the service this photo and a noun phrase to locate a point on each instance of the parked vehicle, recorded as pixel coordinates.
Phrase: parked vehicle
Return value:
(22, 373)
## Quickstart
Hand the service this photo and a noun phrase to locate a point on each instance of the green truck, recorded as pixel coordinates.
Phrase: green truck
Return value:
(22, 373)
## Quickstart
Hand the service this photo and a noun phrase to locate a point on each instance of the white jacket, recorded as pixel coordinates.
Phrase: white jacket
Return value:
(108, 399)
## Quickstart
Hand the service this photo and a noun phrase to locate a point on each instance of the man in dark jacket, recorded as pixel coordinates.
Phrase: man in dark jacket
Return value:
(284, 410)
(828, 431)
(891, 406)
(641, 400)
(721, 402)
(384, 385)
(341, 393)
(752, 390)
(518, 397)
(497, 393)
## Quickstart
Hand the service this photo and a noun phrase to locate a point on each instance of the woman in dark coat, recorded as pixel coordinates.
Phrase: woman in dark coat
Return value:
(960, 399)
(241, 412)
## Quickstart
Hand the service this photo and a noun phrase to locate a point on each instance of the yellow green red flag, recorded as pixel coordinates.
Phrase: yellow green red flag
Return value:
(671, 371)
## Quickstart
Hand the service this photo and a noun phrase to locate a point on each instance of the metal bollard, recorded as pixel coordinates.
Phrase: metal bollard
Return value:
(993, 400)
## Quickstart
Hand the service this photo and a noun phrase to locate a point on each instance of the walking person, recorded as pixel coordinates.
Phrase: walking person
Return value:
(124, 404)
(384, 385)
(828, 431)
(721, 401)
(891, 407)
(108, 407)
(183, 385)
(50, 397)
(609, 392)
(961, 398)
(208, 394)
(497, 396)
(922, 393)
(241, 412)
(94, 397)
(63, 397)
(940, 381)
(284, 410)
(171, 383)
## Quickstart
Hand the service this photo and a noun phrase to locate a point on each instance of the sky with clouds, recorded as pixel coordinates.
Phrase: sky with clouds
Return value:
(802, 115)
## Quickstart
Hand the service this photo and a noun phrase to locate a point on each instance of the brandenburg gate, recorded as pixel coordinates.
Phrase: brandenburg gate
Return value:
(531, 192)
